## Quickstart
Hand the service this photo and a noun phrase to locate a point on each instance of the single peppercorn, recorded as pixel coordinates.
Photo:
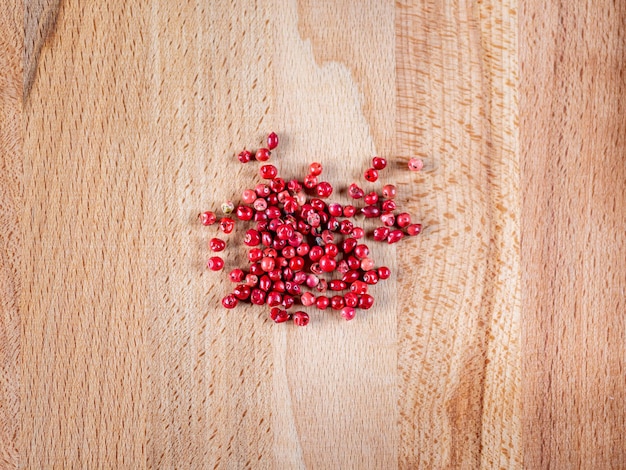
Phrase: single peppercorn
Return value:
(272, 141)
(268, 172)
(416, 164)
(403, 219)
(414, 229)
(371, 175)
(207, 218)
(227, 225)
(348, 313)
(263, 154)
(301, 318)
(215, 244)
(215, 263)
(230, 301)
(379, 163)
(245, 156)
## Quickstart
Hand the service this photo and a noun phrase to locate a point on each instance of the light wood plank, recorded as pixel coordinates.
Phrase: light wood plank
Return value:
(573, 132)
(459, 325)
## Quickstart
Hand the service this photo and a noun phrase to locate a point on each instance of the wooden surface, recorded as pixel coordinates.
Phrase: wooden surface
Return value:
(119, 124)
(573, 134)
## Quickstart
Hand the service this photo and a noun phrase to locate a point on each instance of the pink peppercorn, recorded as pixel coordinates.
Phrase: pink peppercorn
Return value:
(272, 141)
(244, 213)
(242, 292)
(307, 299)
(230, 301)
(337, 302)
(268, 172)
(381, 233)
(248, 196)
(215, 263)
(278, 315)
(324, 189)
(395, 236)
(389, 206)
(215, 244)
(389, 191)
(355, 192)
(315, 169)
(414, 229)
(227, 225)
(348, 313)
(236, 275)
(274, 299)
(322, 302)
(384, 272)
(403, 219)
(349, 211)
(370, 212)
(327, 264)
(379, 163)
(388, 219)
(301, 318)
(416, 164)
(207, 218)
(371, 175)
(263, 154)
(245, 156)
(351, 299)
(367, 264)
(371, 198)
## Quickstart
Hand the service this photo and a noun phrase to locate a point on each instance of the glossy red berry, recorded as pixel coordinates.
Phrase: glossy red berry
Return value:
(389, 205)
(263, 154)
(371, 198)
(379, 163)
(348, 313)
(355, 192)
(252, 238)
(301, 318)
(371, 175)
(242, 292)
(366, 301)
(351, 276)
(315, 169)
(207, 218)
(215, 263)
(278, 315)
(236, 275)
(324, 189)
(351, 299)
(384, 272)
(395, 236)
(361, 251)
(227, 225)
(370, 277)
(389, 191)
(316, 253)
(403, 219)
(381, 233)
(288, 301)
(388, 219)
(367, 264)
(268, 264)
(230, 301)
(337, 285)
(245, 156)
(257, 296)
(248, 196)
(416, 164)
(348, 245)
(296, 264)
(215, 244)
(272, 141)
(262, 190)
(244, 213)
(251, 280)
(337, 302)
(357, 233)
(274, 299)
(349, 211)
(307, 299)
(255, 254)
(327, 264)
(322, 302)
(370, 212)
(358, 288)
(335, 209)
(268, 172)
(414, 229)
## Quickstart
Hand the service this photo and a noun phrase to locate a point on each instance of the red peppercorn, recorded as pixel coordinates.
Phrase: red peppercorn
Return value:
(371, 175)
(284, 232)
(389, 206)
(322, 302)
(272, 199)
(272, 141)
(379, 163)
(351, 299)
(348, 313)
(278, 285)
(255, 254)
(381, 233)
(416, 164)
(265, 283)
(288, 301)
(227, 225)
(252, 238)
(388, 219)
(288, 252)
(366, 301)
(395, 236)
(371, 198)
(353, 263)
(414, 229)
(348, 245)
(367, 264)
(230, 301)
(361, 251)
(324, 189)
(244, 213)
(267, 264)
(335, 209)
(301, 318)
(242, 292)
(216, 244)
(310, 181)
(357, 233)
(350, 276)
(322, 286)
(389, 191)
(349, 211)
(274, 299)
(245, 156)
(262, 190)
(268, 172)
(296, 264)
(337, 285)
(315, 169)
(370, 277)
(316, 253)
(273, 212)
(346, 227)
(303, 249)
(355, 192)
(403, 219)
(207, 218)
(256, 269)
(337, 302)
(278, 315)
(251, 280)
(215, 263)
(327, 264)
(370, 212)
(358, 287)
(307, 299)
(277, 185)
(384, 272)
(331, 250)
(236, 275)
(299, 277)
(257, 296)
(263, 154)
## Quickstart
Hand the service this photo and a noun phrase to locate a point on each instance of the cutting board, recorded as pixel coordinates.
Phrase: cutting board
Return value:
(121, 122)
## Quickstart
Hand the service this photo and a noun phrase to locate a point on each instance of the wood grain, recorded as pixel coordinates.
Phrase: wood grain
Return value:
(574, 174)
(11, 40)
(132, 114)
(459, 351)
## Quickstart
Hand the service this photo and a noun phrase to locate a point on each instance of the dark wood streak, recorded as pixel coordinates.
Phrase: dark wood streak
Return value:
(40, 19)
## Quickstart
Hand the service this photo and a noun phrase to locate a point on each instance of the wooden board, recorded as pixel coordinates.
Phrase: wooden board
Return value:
(115, 351)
